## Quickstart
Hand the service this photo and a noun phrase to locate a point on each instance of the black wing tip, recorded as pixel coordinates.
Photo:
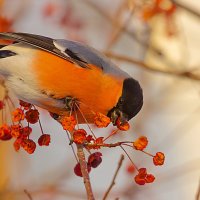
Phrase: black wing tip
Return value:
(6, 53)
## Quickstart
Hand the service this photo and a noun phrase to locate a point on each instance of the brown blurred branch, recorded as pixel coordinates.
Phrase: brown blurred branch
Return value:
(28, 194)
(187, 8)
(84, 170)
(114, 177)
(118, 31)
(186, 74)
(198, 192)
(130, 33)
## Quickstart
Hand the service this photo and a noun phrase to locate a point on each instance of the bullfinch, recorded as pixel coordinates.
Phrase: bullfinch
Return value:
(54, 73)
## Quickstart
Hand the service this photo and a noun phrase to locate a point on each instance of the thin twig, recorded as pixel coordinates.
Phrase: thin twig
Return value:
(71, 144)
(84, 170)
(198, 192)
(114, 177)
(186, 74)
(119, 30)
(129, 32)
(28, 194)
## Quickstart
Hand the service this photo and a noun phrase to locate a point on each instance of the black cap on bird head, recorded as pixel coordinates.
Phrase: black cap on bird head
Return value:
(129, 104)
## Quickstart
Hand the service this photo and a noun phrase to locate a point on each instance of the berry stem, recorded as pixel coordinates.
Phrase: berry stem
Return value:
(68, 135)
(129, 157)
(113, 133)
(147, 153)
(85, 120)
(41, 126)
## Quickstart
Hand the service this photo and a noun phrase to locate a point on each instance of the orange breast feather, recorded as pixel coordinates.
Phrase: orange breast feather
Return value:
(95, 89)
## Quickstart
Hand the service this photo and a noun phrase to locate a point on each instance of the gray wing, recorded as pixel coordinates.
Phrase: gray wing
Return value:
(44, 43)
(72, 51)
(89, 55)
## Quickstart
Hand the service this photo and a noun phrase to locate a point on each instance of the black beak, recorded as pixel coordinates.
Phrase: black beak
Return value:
(118, 115)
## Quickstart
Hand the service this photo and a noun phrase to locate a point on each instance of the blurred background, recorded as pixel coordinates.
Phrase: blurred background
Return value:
(157, 42)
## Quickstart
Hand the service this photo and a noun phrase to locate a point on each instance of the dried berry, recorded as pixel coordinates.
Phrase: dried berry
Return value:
(32, 116)
(77, 169)
(94, 160)
(44, 140)
(79, 136)
(28, 145)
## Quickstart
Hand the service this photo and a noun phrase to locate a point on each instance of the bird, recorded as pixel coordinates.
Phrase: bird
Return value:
(55, 73)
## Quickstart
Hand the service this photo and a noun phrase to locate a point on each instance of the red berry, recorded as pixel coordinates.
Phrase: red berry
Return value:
(44, 140)
(77, 169)
(94, 160)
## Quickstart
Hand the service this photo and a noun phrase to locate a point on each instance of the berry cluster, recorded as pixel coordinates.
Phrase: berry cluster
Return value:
(89, 142)
(29, 114)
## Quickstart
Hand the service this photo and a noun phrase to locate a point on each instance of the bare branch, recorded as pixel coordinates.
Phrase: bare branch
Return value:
(84, 170)
(120, 28)
(114, 177)
(130, 33)
(28, 194)
(198, 192)
(178, 73)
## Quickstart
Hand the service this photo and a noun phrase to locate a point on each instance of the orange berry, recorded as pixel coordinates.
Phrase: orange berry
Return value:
(98, 142)
(68, 123)
(79, 136)
(17, 144)
(141, 143)
(139, 180)
(142, 177)
(28, 145)
(130, 169)
(159, 158)
(150, 178)
(101, 120)
(122, 126)
(15, 130)
(18, 115)
(26, 131)
(5, 132)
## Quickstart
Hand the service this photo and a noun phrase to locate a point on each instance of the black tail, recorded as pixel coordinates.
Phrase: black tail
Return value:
(6, 53)
(1, 46)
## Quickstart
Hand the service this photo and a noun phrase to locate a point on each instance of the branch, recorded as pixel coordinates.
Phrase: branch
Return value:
(130, 33)
(119, 30)
(187, 9)
(28, 194)
(186, 74)
(84, 170)
(198, 193)
(114, 177)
